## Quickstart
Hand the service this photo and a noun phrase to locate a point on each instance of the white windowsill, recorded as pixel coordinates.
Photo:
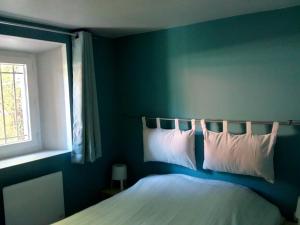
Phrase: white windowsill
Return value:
(4, 163)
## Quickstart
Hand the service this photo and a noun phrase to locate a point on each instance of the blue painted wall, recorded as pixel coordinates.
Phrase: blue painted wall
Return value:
(244, 67)
(82, 183)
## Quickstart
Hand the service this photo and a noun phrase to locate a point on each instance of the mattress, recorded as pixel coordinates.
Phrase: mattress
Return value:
(177, 199)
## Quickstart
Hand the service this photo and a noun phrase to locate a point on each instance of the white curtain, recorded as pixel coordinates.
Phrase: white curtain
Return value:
(86, 124)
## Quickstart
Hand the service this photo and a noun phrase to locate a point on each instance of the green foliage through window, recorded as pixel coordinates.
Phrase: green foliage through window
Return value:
(14, 110)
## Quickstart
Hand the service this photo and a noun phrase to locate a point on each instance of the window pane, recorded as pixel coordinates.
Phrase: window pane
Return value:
(2, 134)
(19, 68)
(14, 111)
(6, 68)
(9, 105)
(21, 107)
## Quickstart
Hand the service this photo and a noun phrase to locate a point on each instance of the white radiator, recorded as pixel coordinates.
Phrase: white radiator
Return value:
(36, 202)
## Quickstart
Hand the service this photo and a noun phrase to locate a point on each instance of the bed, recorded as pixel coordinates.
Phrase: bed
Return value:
(177, 199)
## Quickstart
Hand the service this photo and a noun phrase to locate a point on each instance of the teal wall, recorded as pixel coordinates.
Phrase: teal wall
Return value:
(82, 183)
(244, 67)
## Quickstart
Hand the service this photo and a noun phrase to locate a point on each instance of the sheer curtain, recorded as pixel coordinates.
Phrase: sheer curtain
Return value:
(86, 124)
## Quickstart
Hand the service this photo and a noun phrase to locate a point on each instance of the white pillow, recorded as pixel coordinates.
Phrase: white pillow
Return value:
(170, 146)
(247, 154)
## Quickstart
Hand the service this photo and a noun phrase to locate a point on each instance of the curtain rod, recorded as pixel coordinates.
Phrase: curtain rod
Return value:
(37, 28)
(288, 122)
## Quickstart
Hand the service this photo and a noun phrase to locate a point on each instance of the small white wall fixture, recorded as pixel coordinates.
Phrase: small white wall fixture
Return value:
(36, 202)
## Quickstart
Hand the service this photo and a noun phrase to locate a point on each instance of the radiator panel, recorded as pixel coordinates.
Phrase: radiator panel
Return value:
(37, 202)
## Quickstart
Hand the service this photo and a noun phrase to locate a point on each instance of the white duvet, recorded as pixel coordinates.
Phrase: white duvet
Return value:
(180, 200)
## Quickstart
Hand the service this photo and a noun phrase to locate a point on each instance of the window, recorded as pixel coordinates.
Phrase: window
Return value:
(20, 128)
(34, 100)
(14, 107)
(35, 117)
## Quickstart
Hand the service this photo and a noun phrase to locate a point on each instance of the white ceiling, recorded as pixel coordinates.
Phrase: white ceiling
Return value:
(26, 44)
(122, 17)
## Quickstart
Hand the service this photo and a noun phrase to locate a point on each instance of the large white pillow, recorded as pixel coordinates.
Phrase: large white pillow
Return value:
(247, 154)
(170, 146)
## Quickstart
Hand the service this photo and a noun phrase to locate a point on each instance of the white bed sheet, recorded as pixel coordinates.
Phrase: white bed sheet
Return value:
(177, 199)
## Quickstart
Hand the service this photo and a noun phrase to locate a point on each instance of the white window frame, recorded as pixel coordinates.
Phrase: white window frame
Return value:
(35, 144)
